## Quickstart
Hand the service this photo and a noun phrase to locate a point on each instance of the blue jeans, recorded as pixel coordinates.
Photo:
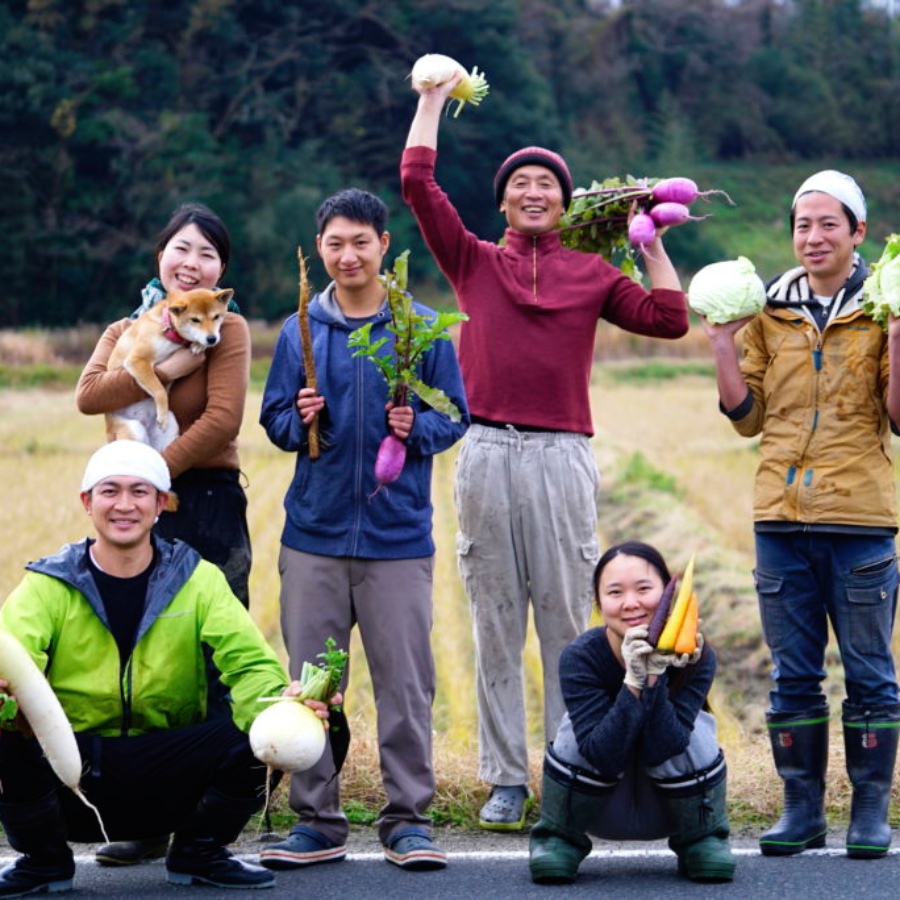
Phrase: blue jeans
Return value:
(806, 579)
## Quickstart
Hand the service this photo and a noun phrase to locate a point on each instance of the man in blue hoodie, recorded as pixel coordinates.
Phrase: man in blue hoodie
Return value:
(349, 557)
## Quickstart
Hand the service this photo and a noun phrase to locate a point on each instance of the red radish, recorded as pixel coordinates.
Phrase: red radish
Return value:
(390, 461)
(641, 230)
(680, 190)
(670, 213)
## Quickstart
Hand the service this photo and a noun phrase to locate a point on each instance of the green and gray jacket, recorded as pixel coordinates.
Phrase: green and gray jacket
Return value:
(190, 617)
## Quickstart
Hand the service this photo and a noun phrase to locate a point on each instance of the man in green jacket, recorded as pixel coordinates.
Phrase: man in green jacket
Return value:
(135, 634)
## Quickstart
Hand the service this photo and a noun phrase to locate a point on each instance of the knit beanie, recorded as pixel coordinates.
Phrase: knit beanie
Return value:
(534, 156)
(838, 185)
(130, 459)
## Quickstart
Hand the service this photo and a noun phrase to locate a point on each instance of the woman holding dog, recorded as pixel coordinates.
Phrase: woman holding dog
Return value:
(206, 396)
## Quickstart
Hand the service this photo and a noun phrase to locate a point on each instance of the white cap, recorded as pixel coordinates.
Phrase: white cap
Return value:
(127, 458)
(838, 185)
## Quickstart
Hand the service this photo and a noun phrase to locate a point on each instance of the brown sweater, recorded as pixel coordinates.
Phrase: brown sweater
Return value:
(208, 404)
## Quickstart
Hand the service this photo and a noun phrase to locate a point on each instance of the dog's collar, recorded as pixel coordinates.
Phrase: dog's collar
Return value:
(170, 332)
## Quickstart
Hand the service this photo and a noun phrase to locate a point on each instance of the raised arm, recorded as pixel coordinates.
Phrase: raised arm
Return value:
(729, 378)
(423, 132)
(660, 271)
(893, 397)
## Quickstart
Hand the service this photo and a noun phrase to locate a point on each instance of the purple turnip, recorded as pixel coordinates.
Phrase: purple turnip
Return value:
(389, 462)
(670, 213)
(641, 229)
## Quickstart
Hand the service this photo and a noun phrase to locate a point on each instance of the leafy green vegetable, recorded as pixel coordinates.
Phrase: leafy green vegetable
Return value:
(320, 682)
(415, 335)
(8, 707)
(728, 290)
(597, 220)
(881, 289)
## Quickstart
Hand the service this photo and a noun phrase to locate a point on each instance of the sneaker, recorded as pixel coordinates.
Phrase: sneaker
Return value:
(506, 808)
(130, 853)
(414, 850)
(304, 847)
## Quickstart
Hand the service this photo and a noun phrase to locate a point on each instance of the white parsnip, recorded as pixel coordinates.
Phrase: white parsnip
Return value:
(44, 714)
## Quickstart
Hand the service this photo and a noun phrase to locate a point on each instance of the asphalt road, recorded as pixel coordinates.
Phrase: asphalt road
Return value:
(488, 867)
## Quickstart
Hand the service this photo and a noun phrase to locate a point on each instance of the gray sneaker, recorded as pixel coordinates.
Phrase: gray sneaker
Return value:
(506, 808)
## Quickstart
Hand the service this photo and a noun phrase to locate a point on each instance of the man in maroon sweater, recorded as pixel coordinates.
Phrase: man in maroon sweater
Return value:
(527, 481)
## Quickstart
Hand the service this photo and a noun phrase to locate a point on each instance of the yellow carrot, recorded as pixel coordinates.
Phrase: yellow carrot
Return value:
(666, 642)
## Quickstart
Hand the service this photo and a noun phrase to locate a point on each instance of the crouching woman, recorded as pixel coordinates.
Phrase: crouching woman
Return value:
(636, 756)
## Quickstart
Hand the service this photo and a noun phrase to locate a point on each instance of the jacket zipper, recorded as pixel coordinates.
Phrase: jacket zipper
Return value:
(534, 242)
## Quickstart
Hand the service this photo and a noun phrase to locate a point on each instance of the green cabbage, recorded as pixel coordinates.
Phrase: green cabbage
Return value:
(725, 291)
(881, 290)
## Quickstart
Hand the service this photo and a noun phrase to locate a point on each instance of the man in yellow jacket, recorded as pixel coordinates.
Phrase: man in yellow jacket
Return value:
(818, 381)
(132, 632)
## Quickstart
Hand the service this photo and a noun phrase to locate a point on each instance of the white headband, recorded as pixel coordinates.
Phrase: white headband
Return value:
(838, 185)
(130, 459)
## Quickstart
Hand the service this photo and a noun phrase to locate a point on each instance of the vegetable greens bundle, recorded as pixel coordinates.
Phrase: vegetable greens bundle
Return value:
(415, 335)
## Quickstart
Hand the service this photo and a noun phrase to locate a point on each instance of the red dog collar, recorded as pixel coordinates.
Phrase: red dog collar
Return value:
(170, 333)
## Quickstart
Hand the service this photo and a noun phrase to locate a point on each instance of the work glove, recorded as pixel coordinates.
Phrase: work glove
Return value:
(635, 651)
(658, 662)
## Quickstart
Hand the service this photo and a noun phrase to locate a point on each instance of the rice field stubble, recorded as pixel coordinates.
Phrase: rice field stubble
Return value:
(673, 473)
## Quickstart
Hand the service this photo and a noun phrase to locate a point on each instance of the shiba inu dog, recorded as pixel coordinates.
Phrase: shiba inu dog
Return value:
(184, 319)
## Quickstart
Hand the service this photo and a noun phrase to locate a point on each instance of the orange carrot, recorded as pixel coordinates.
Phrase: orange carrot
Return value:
(687, 637)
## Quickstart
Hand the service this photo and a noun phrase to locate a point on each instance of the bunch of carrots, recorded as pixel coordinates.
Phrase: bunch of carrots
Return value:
(674, 626)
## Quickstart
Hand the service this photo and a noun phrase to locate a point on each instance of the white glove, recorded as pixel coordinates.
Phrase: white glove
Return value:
(658, 662)
(635, 651)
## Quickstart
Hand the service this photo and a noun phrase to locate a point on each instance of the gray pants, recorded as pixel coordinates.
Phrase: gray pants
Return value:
(324, 597)
(527, 506)
(635, 808)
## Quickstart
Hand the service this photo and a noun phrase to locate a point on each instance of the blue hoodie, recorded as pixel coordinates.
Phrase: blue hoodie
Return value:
(330, 507)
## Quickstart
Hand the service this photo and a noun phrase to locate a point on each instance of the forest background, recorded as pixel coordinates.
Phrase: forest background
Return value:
(112, 112)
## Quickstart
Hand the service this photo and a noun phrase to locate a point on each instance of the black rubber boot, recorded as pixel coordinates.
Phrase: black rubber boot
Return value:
(700, 832)
(559, 840)
(199, 855)
(800, 749)
(38, 832)
(870, 740)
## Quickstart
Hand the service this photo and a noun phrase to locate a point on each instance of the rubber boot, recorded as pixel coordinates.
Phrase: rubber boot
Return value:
(38, 832)
(700, 832)
(870, 740)
(559, 840)
(198, 853)
(800, 750)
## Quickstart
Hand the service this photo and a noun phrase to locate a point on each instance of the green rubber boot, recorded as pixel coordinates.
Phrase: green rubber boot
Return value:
(700, 835)
(559, 840)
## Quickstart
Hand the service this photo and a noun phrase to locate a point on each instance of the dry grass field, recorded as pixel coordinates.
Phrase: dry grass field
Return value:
(673, 473)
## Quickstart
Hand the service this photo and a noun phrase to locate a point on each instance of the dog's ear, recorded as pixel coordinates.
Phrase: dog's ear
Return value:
(225, 294)
(177, 306)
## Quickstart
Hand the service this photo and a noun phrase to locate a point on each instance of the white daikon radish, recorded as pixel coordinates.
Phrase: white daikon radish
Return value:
(44, 714)
(433, 69)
